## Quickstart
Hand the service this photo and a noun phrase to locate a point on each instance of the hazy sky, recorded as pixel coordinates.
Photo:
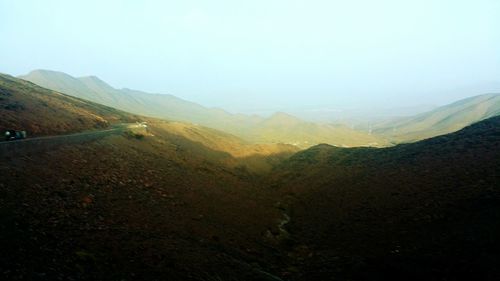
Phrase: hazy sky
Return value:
(249, 55)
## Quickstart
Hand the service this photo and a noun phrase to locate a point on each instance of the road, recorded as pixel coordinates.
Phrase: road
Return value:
(30, 145)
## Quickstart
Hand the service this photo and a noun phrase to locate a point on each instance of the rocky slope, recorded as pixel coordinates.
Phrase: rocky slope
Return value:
(421, 211)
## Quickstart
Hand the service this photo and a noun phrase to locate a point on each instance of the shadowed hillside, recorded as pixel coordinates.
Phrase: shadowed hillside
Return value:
(128, 208)
(422, 211)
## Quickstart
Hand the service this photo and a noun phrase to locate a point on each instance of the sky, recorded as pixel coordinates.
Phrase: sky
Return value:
(258, 55)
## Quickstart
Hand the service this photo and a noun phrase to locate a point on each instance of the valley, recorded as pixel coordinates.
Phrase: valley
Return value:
(181, 201)
(249, 140)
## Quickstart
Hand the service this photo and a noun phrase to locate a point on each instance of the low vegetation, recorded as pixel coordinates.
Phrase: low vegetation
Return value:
(133, 135)
(185, 202)
(419, 211)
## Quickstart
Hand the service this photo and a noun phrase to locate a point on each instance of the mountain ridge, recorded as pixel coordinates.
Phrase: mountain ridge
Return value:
(250, 127)
(442, 120)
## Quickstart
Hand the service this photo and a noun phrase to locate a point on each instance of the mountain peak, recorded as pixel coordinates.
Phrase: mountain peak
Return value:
(46, 73)
(91, 77)
(283, 117)
(95, 83)
(34, 71)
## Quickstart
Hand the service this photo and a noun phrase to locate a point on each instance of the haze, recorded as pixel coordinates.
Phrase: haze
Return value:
(265, 55)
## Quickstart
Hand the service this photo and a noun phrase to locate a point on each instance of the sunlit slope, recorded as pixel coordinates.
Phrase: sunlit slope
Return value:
(284, 127)
(280, 128)
(219, 147)
(39, 111)
(442, 120)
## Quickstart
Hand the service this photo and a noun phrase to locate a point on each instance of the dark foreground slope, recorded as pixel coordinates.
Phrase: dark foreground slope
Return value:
(39, 111)
(161, 208)
(124, 208)
(423, 211)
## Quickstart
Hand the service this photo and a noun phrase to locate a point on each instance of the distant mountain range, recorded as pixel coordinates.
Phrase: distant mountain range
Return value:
(279, 128)
(153, 105)
(442, 120)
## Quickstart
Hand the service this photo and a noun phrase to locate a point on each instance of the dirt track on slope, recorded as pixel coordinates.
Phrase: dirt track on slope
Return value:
(32, 145)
